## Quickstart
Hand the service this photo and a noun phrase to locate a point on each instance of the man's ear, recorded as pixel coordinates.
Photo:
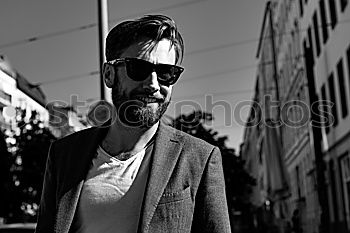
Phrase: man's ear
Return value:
(108, 74)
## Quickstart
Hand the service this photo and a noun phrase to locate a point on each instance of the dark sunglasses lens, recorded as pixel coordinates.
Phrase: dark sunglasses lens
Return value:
(168, 74)
(138, 70)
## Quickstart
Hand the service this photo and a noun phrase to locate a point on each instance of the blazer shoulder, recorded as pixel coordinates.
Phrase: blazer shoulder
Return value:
(77, 147)
(192, 142)
(78, 140)
(74, 136)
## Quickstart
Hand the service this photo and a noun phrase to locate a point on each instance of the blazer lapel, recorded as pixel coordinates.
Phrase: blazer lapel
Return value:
(80, 158)
(67, 207)
(165, 155)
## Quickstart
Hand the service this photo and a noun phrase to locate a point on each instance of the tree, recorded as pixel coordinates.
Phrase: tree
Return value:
(238, 182)
(29, 145)
(4, 177)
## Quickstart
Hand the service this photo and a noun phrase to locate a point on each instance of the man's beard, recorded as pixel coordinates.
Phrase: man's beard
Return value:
(135, 113)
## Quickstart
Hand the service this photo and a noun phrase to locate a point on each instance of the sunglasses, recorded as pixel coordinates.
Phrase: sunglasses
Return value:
(139, 70)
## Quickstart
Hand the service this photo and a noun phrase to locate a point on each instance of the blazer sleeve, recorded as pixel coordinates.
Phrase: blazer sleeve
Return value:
(211, 211)
(47, 208)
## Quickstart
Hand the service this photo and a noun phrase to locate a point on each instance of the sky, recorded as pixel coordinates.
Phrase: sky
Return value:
(221, 39)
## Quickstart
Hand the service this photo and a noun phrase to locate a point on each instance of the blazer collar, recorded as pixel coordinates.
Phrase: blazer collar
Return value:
(85, 146)
(166, 152)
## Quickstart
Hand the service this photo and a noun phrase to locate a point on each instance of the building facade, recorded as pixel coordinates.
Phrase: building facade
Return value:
(7, 90)
(327, 34)
(297, 153)
(265, 141)
(16, 91)
(322, 26)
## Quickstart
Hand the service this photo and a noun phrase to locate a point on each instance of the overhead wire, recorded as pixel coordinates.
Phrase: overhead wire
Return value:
(68, 78)
(177, 5)
(218, 47)
(235, 70)
(216, 94)
(90, 25)
(219, 73)
(204, 50)
(253, 40)
(224, 93)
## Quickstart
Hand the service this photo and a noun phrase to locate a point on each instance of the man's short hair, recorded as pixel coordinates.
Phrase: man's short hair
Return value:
(154, 27)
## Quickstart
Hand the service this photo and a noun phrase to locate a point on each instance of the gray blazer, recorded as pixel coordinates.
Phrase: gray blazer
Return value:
(185, 190)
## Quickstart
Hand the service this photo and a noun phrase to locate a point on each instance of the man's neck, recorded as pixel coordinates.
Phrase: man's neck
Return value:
(121, 138)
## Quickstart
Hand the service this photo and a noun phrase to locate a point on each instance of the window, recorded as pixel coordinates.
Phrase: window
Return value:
(325, 108)
(341, 82)
(301, 8)
(297, 38)
(332, 172)
(344, 162)
(309, 34)
(324, 21)
(343, 4)
(333, 13)
(317, 38)
(297, 177)
(260, 158)
(5, 96)
(348, 58)
(333, 98)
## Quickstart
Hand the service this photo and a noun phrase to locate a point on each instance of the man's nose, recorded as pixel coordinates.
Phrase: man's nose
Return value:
(151, 83)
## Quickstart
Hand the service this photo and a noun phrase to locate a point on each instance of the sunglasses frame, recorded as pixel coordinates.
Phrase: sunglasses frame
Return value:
(152, 68)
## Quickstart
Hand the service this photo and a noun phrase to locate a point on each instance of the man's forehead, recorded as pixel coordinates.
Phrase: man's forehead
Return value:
(148, 48)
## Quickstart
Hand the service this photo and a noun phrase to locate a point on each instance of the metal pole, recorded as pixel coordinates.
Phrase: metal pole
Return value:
(102, 33)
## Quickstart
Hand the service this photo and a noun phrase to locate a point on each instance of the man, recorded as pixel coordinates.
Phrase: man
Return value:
(134, 174)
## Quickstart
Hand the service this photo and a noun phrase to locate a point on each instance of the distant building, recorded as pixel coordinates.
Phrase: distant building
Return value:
(17, 91)
(263, 144)
(323, 27)
(7, 89)
(297, 152)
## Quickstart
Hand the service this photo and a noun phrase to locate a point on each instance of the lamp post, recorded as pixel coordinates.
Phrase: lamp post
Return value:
(102, 33)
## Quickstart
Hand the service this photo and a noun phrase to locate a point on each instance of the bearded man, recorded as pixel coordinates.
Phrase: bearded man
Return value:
(134, 173)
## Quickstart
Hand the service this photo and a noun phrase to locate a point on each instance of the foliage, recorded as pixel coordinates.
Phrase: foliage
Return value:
(238, 182)
(29, 144)
(4, 177)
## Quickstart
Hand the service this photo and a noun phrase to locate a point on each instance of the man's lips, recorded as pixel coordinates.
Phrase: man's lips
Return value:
(149, 99)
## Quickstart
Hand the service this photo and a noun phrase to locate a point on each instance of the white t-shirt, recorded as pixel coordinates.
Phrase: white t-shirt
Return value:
(113, 192)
